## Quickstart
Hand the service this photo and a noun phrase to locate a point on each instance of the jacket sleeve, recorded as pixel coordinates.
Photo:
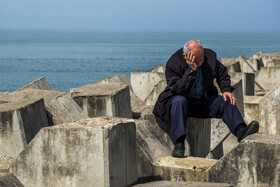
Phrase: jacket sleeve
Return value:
(223, 78)
(179, 83)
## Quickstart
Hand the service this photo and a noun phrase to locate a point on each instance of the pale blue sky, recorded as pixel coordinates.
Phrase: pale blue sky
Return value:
(141, 14)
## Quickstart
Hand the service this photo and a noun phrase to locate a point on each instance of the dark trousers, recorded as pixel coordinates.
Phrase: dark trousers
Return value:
(214, 107)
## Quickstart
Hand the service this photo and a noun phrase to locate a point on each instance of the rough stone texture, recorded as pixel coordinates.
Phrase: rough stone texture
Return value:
(183, 169)
(229, 143)
(21, 118)
(251, 108)
(150, 145)
(180, 183)
(147, 86)
(268, 77)
(40, 84)
(238, 94)
(254, 162)
(90, 152)
(3, 94)
(9, 180)
(99, 99)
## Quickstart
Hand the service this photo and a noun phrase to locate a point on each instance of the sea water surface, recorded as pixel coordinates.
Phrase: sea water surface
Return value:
(70, 59)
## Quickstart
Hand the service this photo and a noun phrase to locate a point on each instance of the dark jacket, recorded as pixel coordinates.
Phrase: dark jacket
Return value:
(180, 77)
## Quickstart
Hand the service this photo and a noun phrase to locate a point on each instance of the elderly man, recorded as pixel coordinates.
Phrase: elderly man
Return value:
(190, 92)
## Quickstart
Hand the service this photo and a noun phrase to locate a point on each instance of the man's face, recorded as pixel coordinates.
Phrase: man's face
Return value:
(199, 56)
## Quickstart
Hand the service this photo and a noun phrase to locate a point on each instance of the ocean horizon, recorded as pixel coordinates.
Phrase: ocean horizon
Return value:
(73, 58)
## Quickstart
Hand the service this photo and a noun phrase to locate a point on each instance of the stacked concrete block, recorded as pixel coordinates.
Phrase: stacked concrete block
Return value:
(100, 99)
(150, 145)
(90, 152)
(254, 162)
(158, 69)
(60, 107)
(268, 77)
(120, 79)
(147, 86)
(265, 110)
(21, 118)
(40, 84)
(205, 137)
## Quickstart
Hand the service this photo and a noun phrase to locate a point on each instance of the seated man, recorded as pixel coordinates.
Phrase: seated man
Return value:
(190, 92)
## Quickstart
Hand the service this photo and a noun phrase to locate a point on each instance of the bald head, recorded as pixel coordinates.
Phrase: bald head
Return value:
(196, 48)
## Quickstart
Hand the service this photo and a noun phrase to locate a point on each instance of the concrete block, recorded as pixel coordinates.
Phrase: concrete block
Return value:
(120, 79)
(60, 107)
(205, 136)
(181, 183)
(266, 110)
(158, 69)
(3, 94)
(40, 84)
(97, 99)
(183, 169)
(150, 145)
(238, 94)
(268, 77)
(248, 84)
(90, 152)
(253, 162)
(9, 180)
(147, 85)
(21, 118)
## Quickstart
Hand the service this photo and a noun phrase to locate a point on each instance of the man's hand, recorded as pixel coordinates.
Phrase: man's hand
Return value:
(190, 60)
(230, 96)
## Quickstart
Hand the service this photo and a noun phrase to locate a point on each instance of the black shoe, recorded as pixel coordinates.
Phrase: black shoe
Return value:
(252, 128)
(179, 150)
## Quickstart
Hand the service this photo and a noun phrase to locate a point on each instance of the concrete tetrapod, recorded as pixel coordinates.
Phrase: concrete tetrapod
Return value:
(253, 162)
(90, 152)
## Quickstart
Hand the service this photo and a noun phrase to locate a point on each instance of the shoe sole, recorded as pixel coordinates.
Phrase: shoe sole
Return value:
(178, 154)
(251, 130)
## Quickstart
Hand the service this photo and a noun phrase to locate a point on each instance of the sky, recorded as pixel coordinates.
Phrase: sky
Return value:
(141, 14)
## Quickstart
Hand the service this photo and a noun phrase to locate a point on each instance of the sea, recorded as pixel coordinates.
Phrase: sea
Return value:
(74, 58)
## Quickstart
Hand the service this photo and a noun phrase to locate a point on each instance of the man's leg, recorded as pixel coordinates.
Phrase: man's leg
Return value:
(179, 114)
(218, 108)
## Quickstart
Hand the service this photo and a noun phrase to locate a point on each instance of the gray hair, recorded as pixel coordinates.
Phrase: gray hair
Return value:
(186, 48)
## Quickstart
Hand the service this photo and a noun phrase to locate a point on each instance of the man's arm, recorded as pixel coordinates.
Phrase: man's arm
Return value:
(223, 80)
(179, 83)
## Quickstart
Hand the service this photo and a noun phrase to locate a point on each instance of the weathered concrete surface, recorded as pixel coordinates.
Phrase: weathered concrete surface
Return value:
(229, 143)
(205, 137)
(5, 163)
(180, 183)
(60, 107)
(90, 152)
(9, 180)
(158, 69)
(238, 94)
(150, 145)
(266, 110)
(99, 99)
(183, 169)
(254, 162)
(249, 84)
(21, 118)
(40, 84)
(268, 77)
(147, 86)
(3, 94)
(120, 79)
(269, 111)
